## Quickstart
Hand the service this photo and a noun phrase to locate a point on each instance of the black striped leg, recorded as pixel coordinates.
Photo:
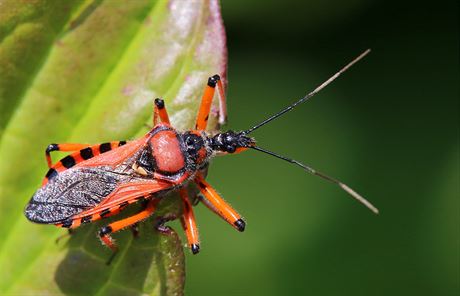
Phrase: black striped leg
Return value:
(65, 147)
(113, 227)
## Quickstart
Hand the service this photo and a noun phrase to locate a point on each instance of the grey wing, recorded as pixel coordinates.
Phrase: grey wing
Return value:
(71, 192)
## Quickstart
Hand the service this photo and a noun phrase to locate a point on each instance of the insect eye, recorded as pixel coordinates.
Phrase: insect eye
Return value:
(190, 141)
(193, 144)
(230, 149)
(191, 150)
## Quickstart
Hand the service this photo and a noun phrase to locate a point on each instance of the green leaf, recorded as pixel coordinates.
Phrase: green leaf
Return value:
(95, 67)
(27, 31)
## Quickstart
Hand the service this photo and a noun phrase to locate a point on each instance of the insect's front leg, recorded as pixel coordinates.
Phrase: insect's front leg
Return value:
(206, 101)
(113, 227)
(159, 112)
(218, 205)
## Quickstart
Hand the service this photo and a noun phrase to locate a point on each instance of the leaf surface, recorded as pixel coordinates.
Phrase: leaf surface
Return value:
(95, 81)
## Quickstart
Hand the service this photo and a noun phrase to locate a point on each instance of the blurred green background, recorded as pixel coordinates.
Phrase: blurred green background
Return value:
(389, 128)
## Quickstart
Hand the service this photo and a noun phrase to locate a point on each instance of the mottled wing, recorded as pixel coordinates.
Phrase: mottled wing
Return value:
(71, 192)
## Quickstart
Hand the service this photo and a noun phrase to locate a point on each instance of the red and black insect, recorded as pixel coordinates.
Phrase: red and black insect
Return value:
(98, 181)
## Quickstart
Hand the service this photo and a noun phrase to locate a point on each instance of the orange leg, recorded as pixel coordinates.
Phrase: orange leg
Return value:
(222, 103)
(215, 203)
(159, 112)
(62, 147)
(206, 101)
(189, 223)
(113, 227)
(80, 219)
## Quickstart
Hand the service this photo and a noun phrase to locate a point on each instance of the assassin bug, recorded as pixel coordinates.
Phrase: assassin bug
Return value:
(98, 181)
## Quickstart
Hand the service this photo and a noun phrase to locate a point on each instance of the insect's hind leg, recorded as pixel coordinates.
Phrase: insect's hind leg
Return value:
(189, 223)
(159, 112)
(62, 147)
(104, 233)
(206, 102)
(218, 205)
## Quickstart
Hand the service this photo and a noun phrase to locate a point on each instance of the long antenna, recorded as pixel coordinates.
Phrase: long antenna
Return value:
(308, 96)
(312, 171)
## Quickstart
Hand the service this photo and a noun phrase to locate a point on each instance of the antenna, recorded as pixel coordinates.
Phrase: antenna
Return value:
(308, 96)
(312, 171)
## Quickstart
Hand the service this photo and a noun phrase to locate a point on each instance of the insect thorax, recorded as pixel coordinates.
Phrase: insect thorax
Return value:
(170, 153)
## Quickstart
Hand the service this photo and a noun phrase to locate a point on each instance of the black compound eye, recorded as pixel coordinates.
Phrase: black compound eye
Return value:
(190, 141)
(230, 149)
(193, 144)
(191, 151)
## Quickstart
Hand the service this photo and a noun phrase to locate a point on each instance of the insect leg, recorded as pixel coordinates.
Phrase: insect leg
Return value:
(86, 152)
(161, 221)
(216, 204)
(222, 103)
(206, 101)
(68, 234)
(159, 112)
(189, 223)
(62, 147)
(113, 227)
(78, 220)
(135, 230)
